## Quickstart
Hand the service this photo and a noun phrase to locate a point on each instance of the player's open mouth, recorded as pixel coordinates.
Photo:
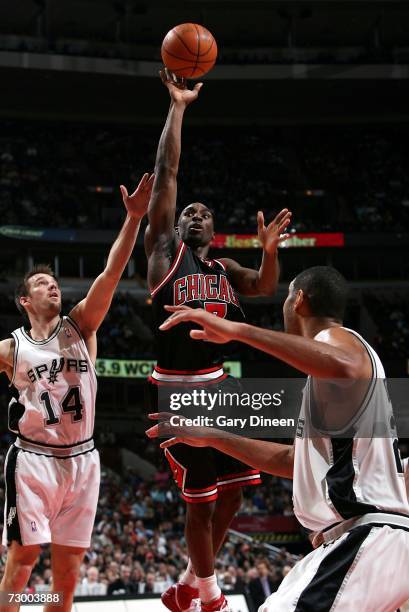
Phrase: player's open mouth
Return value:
(196, 228)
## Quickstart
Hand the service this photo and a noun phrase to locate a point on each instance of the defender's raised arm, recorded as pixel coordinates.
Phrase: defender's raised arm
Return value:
(91, 311)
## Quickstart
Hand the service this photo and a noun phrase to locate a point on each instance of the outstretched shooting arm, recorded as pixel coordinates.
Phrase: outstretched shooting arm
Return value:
(160, 237)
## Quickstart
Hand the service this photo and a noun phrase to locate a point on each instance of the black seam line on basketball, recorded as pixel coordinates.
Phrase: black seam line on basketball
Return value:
(182, 59)
(198, 49)
(178, 70)
(183, 72)
(205, 62)
(208, 50)
(184, 44)
(53, 445)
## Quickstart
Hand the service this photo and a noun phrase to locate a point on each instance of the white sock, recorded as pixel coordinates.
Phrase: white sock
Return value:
(189, 577)
(208, 588)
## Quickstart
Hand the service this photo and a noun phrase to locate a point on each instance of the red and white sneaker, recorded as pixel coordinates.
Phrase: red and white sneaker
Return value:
(179, 597)
(217, 605)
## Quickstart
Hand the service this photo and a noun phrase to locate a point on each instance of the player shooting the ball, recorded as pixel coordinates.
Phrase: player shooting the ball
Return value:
(180, 272)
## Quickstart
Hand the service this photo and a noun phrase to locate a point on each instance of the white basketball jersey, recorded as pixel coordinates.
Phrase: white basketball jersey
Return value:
(57, 386)
(347, 473)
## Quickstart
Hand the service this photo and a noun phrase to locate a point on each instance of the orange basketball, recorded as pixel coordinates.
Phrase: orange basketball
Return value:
(189, 50)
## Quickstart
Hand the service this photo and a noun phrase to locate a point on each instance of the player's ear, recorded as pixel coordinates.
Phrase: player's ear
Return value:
(299, 300)
(177, 229)
(24, 301)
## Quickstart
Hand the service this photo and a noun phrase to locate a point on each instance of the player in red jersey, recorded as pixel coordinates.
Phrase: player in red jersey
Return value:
(179, 272)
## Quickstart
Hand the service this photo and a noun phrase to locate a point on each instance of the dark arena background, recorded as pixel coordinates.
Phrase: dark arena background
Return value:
(307, 108)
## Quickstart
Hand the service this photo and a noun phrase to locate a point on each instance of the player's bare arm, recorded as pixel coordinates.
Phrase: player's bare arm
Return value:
(160, 236)
(270, 457)
(337, 355)
(91, 311)
(6, 356)
(265, 280)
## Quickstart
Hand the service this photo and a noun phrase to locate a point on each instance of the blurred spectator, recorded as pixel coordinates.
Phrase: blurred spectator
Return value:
(124, 584)
(91, 584)
(262, 586)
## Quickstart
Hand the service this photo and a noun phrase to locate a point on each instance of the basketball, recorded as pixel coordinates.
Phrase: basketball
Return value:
(189, 50)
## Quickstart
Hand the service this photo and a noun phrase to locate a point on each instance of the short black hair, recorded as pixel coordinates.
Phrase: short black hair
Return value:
(23, 288)
(326, 290)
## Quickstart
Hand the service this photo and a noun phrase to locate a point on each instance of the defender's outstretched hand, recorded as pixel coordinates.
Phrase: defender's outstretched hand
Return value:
(272, 235)
(172, 425)
(137, 203)
(215, 329)
(178, 88)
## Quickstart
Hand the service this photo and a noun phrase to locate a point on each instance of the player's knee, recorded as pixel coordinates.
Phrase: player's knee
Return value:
(66, 579)
(16, 575)
(200, 515)
(231, 500)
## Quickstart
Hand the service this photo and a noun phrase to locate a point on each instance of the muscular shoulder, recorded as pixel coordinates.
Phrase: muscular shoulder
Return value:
(341, 338)
(229, 264)
(338, 336)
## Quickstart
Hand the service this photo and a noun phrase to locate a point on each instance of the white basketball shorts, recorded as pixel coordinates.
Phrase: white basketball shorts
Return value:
(50, 499)
(365, 570)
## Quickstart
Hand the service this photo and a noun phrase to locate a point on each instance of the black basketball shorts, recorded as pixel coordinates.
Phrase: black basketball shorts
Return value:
(202, 473)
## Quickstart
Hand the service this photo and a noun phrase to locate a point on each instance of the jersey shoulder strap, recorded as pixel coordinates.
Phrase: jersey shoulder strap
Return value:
(180, 252)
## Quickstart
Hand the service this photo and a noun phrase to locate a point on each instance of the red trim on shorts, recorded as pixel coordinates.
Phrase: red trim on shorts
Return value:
(190, 372)
(199, 500)
(239, 484)
(201, 490)
(181, 383)
(238, 475)
(175, 265)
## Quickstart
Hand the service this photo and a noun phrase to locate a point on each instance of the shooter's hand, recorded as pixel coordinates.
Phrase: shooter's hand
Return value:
(137, 203)
(272, 235)
(177, 87)
(215, 329)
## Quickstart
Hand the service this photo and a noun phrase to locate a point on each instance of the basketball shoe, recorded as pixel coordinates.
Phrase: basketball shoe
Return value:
(217, 605)
(180, 598)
